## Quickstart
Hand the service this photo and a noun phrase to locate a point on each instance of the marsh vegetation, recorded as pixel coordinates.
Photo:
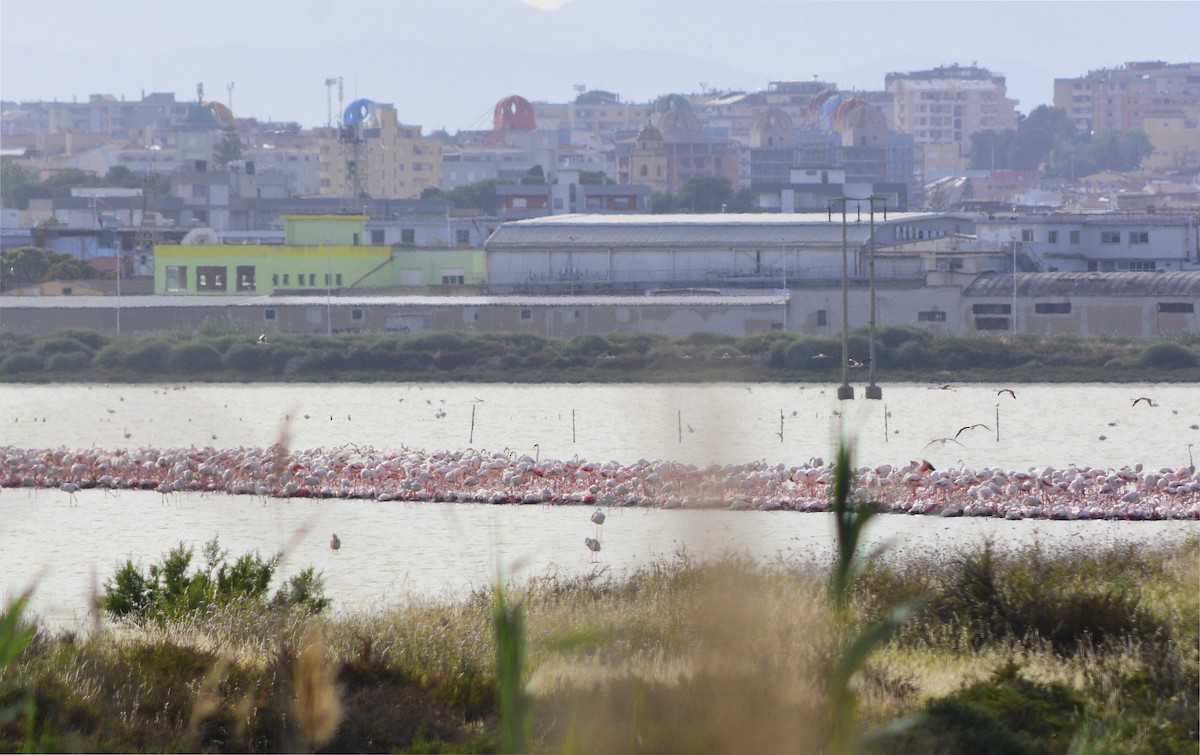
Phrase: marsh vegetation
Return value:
(215, 353)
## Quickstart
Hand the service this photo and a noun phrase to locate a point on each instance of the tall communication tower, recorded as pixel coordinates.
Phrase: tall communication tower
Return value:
(147, 234)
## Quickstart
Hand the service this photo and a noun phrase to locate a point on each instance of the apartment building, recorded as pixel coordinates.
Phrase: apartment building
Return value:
(1100, 242)
(668, 156)
(941, 108)
(375, 155)
(1118, 99)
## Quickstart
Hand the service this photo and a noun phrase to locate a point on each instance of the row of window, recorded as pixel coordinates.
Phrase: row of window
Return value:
(1056, 308)
(1106, 237)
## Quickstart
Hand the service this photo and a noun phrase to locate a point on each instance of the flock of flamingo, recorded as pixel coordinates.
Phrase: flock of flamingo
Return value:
(504, 477)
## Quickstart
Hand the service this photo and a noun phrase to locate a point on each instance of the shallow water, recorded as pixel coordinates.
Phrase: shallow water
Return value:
(393, 550)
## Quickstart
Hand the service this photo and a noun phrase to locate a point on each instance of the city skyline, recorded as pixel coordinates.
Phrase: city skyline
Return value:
(445, 65)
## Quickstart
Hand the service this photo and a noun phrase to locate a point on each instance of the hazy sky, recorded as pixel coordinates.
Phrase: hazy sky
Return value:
(446, 63)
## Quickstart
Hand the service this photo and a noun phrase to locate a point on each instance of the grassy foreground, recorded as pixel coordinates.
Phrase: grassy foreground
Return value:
(217, 353)
(1088, 650)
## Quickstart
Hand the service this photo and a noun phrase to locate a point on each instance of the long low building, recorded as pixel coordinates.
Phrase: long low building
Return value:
(1139, 305)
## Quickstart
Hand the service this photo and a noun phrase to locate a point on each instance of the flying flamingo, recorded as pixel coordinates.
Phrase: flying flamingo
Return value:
(1009, 391)
(1143, 398)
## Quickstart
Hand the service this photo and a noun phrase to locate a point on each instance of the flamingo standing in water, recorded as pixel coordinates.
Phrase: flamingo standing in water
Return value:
(598, 518)
(335, 542)
(593, 545)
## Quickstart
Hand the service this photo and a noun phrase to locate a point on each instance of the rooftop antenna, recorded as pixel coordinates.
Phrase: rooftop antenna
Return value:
(329, 82)
(229, 87)
(200, 92)
(580, 88)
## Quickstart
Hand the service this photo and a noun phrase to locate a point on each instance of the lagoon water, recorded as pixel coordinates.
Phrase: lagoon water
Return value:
(392, 551)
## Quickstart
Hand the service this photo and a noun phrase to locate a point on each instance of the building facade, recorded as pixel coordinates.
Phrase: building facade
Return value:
(1119, 99)
(373, 155)
(945, 105)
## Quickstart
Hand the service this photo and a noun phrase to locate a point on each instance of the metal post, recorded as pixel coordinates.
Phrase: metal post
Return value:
(845, 391)
(1014, 298)
(328, 289)
(873, 391)
(571, 262)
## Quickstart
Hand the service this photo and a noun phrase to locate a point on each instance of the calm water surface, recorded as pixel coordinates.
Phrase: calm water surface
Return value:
(395, 550)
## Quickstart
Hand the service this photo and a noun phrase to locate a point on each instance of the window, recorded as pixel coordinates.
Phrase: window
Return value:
(1139, 237)
(1052, 237)
(645, 170)
(274, 279)
(337, 279)
(453, 280)
(356, 315)
(526, 314)
(991, 323)
(408, 236)
(210, 278)
(286, 278)
(1142, 266)
(932, 315)
(1074, 237)
(462, 236)
(245, 278)
(377, 237)
(269, 315)
(176, 278)
(1110, 237)
(312, 279)
(991, 309)
(822, 318)
(1052, 308)
(68, 290)
(1026, 234)
(1176, 307)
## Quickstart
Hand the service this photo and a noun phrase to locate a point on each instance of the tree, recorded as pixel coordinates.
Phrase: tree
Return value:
(594, 178)
(479, 196)
(13, 178)
(704, 194)
(229, 148)
(31, 264)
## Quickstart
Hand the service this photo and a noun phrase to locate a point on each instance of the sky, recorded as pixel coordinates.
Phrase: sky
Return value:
(446, 63)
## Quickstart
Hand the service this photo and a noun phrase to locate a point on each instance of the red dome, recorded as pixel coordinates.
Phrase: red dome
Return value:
(514, 113)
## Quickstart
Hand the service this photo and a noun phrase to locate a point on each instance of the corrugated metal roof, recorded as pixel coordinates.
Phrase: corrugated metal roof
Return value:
(689, 231)
(1180, 284)
(145, 302)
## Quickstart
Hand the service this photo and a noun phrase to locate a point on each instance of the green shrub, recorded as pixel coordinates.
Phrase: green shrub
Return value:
(152, 356)
(167, 590)
(1168, 356)
(92, 339)
(75, 360)
(21, 362)
(250, 358)
(63, 345)
(195, 357)
(589, 345)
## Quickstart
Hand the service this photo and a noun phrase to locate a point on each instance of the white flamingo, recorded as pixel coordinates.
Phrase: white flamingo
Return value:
(598, 518)
(593, 545)
(335, 542)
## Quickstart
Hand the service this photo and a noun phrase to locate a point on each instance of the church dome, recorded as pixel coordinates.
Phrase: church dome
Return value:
(679, 120)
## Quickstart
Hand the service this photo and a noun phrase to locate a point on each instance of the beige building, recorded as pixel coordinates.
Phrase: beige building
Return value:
(948, 104)
(1118, 99)
(1176, 140)
(379, 157)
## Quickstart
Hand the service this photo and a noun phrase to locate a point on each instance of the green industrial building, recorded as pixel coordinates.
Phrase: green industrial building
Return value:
(321, 253)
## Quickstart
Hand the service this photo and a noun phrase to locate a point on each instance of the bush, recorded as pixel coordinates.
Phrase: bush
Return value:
(249, 358)
(195, 357)
(1168, 356)
(63, 345)
(75, 360)
(22, 361)
(150, 357)
(168, 591)
(588, 346)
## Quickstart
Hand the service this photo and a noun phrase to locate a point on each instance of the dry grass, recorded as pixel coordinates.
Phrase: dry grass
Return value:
(725, 656)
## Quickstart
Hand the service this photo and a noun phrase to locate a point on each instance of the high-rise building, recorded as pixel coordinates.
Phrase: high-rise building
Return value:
(1119, 99)
(375, 155)
(946, 105)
